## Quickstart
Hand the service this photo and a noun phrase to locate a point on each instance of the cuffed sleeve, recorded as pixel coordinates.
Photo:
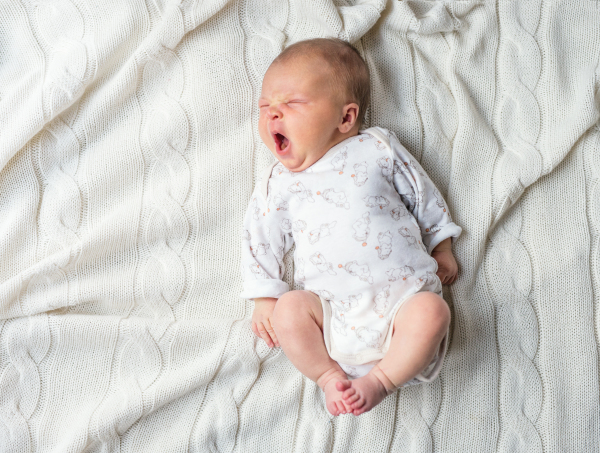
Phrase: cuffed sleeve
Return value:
(264, 288)
(422, 198)
(264, 245)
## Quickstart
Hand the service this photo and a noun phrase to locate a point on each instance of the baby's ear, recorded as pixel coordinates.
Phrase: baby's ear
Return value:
(350, 115)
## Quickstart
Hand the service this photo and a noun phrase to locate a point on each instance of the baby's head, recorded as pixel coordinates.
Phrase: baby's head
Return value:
(314, 95)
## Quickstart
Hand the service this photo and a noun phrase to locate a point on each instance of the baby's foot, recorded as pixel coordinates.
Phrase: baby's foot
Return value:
(333, 396)
(366, 392)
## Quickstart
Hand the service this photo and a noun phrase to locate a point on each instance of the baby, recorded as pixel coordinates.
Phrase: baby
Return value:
(372, 234)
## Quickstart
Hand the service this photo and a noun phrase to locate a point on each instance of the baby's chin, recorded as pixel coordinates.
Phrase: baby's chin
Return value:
(292, 167)
(296, 163)
(292, 163)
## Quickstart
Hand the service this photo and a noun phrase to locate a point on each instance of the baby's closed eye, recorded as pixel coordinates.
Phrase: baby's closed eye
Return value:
(296, 102)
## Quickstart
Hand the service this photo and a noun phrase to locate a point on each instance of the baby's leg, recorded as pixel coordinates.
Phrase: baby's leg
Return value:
(298, 323)
(419, 327)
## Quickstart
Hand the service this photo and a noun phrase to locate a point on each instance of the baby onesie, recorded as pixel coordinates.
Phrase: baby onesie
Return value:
(364, 219)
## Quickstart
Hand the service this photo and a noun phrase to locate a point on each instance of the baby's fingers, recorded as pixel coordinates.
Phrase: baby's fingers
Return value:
(442, 276)
(271, 331)
(267, 333)
(262, 331)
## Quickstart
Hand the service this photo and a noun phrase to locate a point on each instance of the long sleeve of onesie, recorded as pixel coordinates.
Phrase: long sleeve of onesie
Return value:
(265, 241)
(421, 198)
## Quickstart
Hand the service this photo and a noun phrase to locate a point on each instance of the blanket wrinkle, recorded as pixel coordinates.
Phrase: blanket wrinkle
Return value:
(137, 392)
(359, 18)
(67, 72)
(216, 426)
(70, 66)
(429, 18)
(518, 112)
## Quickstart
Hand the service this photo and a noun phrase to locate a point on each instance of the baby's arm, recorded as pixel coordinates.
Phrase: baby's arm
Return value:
(429, 209)
(264, 245)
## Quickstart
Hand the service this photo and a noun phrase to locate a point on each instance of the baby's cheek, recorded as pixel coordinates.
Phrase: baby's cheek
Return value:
(263, 132)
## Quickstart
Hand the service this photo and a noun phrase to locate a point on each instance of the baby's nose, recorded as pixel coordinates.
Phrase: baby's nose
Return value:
(274, 113)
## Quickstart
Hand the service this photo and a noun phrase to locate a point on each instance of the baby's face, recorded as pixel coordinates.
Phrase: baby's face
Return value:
(299, 112)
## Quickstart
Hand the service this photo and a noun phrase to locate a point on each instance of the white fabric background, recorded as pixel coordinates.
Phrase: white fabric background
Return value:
(128, 152)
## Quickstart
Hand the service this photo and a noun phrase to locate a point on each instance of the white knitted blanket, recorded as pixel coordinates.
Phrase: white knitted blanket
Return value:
(128, 152)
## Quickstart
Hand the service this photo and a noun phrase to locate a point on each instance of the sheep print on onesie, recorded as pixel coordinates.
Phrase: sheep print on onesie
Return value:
(364, 218)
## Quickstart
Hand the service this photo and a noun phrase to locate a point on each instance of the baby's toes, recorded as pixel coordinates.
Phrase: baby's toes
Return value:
(343, 385)
(348, 393)
(358, 411)
(351, 399)
(332, 408)
(347, 408)
(360, 402)
(341, 409)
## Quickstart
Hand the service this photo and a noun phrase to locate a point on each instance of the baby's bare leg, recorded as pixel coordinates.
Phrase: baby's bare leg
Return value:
(298, 323)
(419, 327)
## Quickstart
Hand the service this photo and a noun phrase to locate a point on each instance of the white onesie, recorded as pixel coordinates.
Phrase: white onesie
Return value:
(364, 219)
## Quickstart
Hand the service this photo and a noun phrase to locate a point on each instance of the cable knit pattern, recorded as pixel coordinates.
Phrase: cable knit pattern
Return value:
(128, 401)
(58, 159)
(518, 112)
(520, 164)
(420, 405)
(165, 136)
(263, 22)
(437, 107)
(62, 26)
(58, 153)
(128, 151)
(241, 367)
(26, 342)
(266, 21)
(60, 214)
(69, 66)
(418, 408)
(518, 335)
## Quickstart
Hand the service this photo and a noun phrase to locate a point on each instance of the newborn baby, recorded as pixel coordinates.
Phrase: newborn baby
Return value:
(372, 236)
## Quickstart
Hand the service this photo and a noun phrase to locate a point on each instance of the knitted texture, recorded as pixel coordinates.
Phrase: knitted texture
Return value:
(128, 153)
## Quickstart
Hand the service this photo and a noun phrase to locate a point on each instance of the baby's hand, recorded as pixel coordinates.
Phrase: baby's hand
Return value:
(447, 267)
(262, 324)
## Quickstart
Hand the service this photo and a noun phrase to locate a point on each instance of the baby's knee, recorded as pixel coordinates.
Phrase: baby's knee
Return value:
(431, 309)
(283, 307)
(291, 307)
(287, 307)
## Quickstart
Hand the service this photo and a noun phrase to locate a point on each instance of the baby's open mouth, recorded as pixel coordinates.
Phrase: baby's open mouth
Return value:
(281, 141)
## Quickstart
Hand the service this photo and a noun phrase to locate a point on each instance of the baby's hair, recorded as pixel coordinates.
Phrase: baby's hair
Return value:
(348, 69)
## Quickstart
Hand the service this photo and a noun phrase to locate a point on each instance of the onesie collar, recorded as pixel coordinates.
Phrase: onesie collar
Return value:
(335, 148)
